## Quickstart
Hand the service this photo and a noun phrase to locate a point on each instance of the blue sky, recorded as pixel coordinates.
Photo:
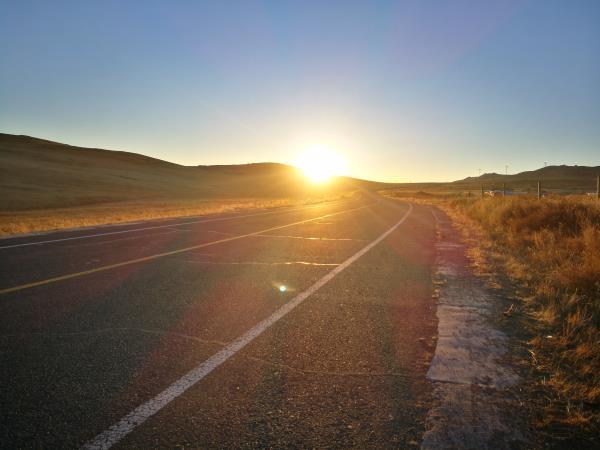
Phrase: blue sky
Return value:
(404, 90)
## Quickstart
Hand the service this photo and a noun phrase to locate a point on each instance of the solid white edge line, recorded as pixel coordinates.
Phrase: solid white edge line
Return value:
(138, 416)
(216, 219)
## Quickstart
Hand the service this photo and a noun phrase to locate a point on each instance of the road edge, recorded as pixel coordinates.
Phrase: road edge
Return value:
(473, 401)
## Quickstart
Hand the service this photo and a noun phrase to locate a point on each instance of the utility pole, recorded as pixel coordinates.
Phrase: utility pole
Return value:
(506, 170)
(598, 188)
(545, 163)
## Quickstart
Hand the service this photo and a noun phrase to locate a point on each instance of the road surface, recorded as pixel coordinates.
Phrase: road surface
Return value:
(296, 327)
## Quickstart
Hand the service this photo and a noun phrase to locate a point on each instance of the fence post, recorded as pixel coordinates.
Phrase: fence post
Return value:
(539, 190)
(503, 189)
(481, 191)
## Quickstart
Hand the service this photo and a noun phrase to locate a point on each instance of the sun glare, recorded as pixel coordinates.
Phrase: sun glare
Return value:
(319, 164)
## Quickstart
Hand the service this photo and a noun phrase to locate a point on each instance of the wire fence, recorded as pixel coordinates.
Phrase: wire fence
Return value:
(539, 189)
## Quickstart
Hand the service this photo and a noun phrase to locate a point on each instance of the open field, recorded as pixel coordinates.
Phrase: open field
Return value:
(573, 180)
(551, 249)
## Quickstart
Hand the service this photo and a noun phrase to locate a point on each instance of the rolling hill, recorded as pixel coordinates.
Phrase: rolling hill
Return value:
(555, 179)
(40, 174)
(562, 179)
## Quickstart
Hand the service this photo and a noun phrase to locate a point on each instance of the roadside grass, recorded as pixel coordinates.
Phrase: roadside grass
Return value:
(550, 248)
(39, 220)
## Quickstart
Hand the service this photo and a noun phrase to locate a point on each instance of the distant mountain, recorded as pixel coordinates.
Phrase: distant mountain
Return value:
(485, 176)
(558, 178)
(36, 173)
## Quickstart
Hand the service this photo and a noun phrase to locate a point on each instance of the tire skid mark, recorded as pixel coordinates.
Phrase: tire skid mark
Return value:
(310, 238)
(261, 263)
(280, 236)
(123, 239)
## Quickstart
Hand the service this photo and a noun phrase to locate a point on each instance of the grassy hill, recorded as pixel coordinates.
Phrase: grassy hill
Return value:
(555, 179)
(40, 174)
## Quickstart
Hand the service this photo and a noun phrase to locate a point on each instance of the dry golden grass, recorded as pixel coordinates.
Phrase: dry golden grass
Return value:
(552, 246)
(60, 218)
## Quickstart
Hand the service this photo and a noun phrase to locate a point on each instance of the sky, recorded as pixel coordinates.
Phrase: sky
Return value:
(403, 90)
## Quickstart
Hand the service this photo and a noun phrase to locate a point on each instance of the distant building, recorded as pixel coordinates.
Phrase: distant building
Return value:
(500, 193)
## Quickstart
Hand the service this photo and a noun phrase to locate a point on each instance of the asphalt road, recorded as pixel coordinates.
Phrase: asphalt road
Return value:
(96, 322)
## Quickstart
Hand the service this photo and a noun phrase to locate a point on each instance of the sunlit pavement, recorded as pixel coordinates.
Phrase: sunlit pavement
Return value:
(345, 368)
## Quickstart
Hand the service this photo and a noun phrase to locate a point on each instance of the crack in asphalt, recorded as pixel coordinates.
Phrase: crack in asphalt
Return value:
(326, 372)
(122, 239)
(117, 329)
(308, 238)
(219, 344)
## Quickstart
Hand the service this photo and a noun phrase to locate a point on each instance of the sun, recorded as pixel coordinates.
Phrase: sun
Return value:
(319, 164)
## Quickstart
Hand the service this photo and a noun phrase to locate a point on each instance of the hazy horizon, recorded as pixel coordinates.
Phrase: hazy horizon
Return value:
(404, 91)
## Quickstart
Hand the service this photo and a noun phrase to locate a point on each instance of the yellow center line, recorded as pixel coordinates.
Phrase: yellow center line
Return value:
(160, 255)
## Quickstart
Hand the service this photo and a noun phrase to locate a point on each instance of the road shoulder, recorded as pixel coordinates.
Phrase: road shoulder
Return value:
(474, 385)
